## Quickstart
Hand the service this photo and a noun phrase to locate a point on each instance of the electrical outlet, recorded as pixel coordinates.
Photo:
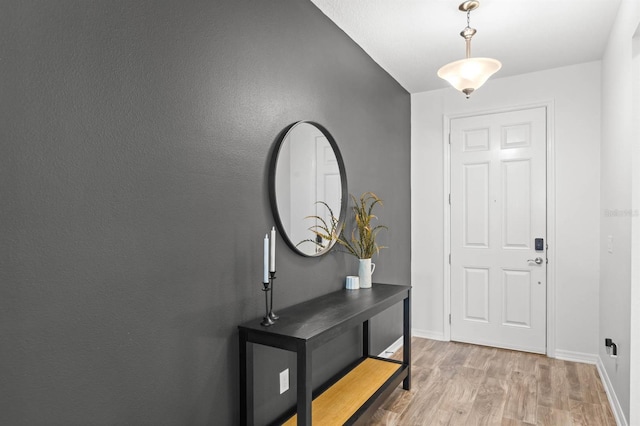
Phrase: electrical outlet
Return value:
(284, 381)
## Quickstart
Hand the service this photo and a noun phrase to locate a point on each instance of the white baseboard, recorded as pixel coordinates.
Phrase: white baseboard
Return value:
(427, 334)
(583, 357)
(415, 333)
(611, 394)
(392, 349)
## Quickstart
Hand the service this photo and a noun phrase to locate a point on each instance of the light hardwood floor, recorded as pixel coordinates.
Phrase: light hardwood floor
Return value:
(462, 384)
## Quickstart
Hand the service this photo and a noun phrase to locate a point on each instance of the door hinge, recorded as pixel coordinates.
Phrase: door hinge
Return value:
(449, 198)
(449, 318)
(449, 258)
(449, 138)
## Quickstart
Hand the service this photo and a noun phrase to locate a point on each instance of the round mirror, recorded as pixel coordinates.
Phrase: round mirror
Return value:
(308, 187)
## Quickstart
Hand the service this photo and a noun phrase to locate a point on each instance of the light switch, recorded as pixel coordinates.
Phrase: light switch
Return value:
(610, 243)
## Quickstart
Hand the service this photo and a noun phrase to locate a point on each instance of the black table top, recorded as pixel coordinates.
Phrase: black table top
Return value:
(319, 316)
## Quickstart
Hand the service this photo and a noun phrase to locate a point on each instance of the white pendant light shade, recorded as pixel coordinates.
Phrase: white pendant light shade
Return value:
(467, 75)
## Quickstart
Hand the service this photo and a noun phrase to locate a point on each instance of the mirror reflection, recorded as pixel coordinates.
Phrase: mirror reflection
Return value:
(308, 186)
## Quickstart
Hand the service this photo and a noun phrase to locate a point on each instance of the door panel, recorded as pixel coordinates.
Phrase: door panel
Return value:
(516, 207)
(476, 294)
(516, 288)
(498, 208)
(476, 205)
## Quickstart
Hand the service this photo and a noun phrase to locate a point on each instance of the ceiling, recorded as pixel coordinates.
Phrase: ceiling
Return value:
(411, 39)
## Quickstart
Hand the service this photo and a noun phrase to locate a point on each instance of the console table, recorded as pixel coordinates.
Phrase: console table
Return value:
(306, 326)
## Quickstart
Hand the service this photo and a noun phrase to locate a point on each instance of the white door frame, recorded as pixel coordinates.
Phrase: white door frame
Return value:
(551, 218)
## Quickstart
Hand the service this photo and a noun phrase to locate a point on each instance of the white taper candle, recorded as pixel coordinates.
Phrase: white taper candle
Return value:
(273, 249)
(265, 275)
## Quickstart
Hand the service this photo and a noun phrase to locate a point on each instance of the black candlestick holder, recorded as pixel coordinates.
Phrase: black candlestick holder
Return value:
(272, 315)
(266, 320)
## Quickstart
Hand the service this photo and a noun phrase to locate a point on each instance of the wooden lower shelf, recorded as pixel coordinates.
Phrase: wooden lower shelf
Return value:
(340, 402)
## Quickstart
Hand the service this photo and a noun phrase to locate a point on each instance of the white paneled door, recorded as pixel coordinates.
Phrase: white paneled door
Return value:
(328, 186)
(498, 210)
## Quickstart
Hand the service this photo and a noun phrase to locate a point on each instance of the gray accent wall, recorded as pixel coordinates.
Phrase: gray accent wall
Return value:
(134, 147)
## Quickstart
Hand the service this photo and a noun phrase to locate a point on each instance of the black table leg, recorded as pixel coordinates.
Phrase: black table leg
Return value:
(304, 391)
(366, 339)
(406, 344)
(246, 380)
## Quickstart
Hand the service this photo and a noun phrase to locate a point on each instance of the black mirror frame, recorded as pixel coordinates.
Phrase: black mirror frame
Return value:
(272, 185)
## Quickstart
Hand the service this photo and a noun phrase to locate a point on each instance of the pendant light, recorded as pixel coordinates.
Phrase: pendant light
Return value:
(467, 75)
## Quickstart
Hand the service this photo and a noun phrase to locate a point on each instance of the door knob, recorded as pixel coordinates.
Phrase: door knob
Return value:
(538, 260)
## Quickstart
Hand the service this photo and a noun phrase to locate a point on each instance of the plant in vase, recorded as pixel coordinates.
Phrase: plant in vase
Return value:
(362, 241)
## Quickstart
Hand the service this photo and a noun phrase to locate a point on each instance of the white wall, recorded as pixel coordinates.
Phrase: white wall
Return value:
(618, 138)
(575, 93)
(634, 377)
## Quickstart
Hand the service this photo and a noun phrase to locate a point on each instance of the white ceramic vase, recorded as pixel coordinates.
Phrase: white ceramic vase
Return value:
(365, 269)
